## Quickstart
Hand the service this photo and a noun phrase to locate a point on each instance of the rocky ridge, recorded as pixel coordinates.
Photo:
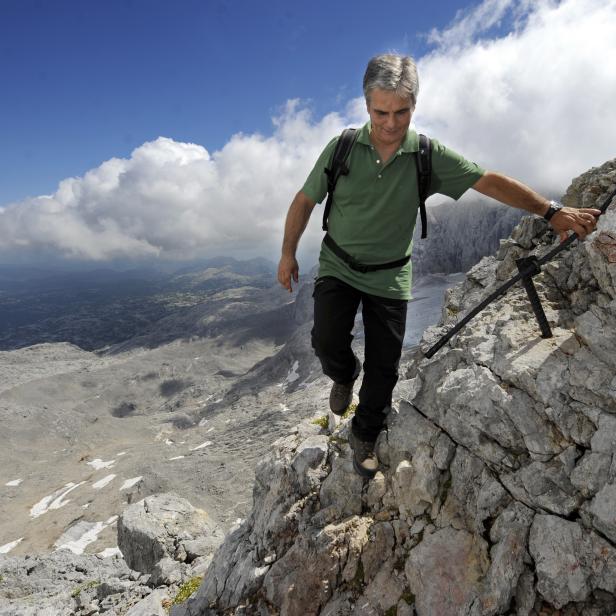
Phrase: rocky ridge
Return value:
(497, 493)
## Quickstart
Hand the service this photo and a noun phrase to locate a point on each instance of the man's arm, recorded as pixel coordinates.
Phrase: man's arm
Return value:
(511, 192)
(297, 219)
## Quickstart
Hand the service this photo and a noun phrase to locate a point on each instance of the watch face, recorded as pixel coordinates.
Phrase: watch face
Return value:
(554, 207)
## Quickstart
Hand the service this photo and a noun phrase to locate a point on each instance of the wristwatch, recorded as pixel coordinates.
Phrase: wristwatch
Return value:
(555, 206)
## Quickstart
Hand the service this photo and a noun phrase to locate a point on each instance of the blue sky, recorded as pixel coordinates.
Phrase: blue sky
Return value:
(84, 81)
(145, 130)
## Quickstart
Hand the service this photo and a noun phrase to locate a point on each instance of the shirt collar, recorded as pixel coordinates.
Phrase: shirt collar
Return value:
(409, 144)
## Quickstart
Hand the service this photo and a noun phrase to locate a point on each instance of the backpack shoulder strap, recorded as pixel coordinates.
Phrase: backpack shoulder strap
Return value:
(338, 167)
(423, 160)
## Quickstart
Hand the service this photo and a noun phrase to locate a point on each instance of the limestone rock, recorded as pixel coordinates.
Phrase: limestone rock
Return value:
(153, 528)
(166, 572)
(59, 583)
(152, 605)
(448, 559)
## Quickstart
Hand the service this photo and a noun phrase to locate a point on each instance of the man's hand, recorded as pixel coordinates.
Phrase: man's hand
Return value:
(288, 269)
(579, 220)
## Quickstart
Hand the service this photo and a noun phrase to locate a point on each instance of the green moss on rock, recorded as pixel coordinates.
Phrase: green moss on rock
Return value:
(322, 422)
(187, 589)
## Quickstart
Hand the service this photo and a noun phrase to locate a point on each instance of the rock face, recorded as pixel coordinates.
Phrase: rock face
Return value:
(497, 489)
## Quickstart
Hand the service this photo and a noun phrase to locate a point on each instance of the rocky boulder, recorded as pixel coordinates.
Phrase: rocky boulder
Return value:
(164, 529)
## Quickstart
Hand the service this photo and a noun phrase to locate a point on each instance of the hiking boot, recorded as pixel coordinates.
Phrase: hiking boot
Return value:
(365, 461)
(340, 397)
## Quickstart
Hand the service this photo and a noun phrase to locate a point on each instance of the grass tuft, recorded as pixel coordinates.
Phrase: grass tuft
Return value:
(187, 589)
(322, 422)
(350, 411)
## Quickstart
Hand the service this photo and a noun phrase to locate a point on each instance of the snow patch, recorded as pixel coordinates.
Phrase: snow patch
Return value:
(53, 501)
(97, 464)
(101, 483)
(108, 552)
(14, 483)
(7, 547)
(129, 483)
(177, 458)
(169, 442)
(206, 444)
(284, 408)
(293, 374)
(79, 536)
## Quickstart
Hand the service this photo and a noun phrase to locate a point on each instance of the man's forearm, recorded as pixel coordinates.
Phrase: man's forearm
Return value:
(297, 219)
(511, 192)
(507, 190)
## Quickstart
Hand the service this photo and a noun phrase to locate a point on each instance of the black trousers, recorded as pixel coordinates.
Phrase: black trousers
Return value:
(335, 306)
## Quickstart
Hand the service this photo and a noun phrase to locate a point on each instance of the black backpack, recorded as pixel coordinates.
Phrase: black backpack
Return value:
(338, 167)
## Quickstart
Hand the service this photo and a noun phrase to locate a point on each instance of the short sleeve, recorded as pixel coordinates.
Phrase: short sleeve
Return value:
(452, 174)
(315, 187)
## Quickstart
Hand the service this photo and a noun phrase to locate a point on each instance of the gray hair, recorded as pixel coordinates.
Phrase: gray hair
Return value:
(394, 73)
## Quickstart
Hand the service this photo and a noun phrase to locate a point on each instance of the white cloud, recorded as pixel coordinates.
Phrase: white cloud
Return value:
(536, 103)
(175, 200)
(471, 23)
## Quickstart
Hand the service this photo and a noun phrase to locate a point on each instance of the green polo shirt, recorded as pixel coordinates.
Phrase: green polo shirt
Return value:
(375, 206)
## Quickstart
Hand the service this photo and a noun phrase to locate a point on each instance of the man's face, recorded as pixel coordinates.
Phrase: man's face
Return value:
(390, 117)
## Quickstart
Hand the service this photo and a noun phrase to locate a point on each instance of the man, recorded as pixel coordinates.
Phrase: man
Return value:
(372, 219)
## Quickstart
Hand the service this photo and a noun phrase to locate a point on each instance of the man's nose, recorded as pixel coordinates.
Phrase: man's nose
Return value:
(391, 121)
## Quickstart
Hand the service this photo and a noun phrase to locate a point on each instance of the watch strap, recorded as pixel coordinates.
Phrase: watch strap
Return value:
(555, 206)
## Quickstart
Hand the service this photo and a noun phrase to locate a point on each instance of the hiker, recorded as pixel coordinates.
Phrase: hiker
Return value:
(366, 251)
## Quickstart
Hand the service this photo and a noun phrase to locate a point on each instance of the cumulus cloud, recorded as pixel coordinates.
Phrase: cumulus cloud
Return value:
(176, 200)
(535, 103)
